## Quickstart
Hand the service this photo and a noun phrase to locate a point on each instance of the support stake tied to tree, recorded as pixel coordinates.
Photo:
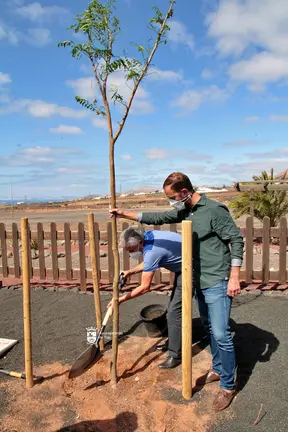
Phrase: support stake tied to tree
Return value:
(99, 24)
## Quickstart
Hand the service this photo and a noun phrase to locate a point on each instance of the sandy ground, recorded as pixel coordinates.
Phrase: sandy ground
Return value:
(146, 399)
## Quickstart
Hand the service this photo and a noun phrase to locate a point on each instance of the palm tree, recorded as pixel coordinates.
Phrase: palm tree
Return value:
(273, 204)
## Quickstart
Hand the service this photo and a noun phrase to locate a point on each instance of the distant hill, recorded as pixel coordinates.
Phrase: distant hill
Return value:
(146, 189)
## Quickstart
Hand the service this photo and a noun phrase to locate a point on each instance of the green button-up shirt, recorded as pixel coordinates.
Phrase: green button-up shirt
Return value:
(217, 242)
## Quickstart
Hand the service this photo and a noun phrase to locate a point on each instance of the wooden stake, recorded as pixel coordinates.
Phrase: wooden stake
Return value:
(187, 290)
(95, 275)
(26, 303)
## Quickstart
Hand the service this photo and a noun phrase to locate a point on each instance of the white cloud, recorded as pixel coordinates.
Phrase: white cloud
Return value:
(36, 12)
(65, 129)
(161, 154)
(127, 157)
(36, 156)
(279, 118)
(245, 170)
(4, 97)
(196, 169)
(5, 78)
(87, 88)
(15, 3)
(237, 24)
(99, 122)
(142, 107)
(251, 119)
(164, 75)
(277, 154)
(40, 109)
(206, 74)
(156, 153)
(38, 37)
(238, 143)
(9, 33)
(247, 27)
(84, 87)
(70, 170)
(179, 34)
(190, 100)
(259, 70)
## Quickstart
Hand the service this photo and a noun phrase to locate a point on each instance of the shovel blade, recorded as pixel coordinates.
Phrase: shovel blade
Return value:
(85, 361)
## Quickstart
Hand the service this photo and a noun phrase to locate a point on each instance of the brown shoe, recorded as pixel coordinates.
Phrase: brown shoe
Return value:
(208, 378)
(223, 399)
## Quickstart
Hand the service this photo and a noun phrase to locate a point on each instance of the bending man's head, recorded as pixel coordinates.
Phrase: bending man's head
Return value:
(132, 240)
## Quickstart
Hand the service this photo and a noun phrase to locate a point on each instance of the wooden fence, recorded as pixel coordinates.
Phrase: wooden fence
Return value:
(80, 240)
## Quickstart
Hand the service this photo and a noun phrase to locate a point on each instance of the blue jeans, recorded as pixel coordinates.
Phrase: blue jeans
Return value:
(214, 307)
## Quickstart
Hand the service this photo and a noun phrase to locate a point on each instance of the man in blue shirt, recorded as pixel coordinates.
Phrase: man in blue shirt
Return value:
(159, 249)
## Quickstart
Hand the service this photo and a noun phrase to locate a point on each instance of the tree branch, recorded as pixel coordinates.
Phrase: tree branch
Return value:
(144, 71)
(103, 93)
(110, 46)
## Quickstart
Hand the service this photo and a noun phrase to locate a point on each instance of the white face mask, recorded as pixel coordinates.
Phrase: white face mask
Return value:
(179, 205)
(135, 255)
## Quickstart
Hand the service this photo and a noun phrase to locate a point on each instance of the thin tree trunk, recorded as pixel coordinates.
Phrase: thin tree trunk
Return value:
(113, 364)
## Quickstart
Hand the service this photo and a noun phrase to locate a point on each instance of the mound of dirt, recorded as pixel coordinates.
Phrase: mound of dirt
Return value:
(146, 399)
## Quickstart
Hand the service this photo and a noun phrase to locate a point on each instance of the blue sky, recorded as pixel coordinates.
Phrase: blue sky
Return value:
(215, 106)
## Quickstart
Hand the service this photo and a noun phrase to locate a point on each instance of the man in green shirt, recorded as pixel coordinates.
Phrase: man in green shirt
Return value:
(217, 259)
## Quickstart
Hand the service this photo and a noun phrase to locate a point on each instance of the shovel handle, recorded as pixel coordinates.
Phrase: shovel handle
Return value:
(107, 316)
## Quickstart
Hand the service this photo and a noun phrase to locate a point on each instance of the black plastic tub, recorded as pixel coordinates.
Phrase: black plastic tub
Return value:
(154, 318)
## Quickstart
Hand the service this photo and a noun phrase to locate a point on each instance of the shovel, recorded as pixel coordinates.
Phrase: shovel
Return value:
(38, 379)
(92, 354)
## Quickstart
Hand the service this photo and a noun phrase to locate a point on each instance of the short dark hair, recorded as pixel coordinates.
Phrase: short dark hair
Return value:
(178, 181)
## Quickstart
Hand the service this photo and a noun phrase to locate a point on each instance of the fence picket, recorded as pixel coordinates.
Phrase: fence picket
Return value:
(40, 240)
(16, 256)
(266, 250)
(5, 270)
(68, 254)
(97, 246)
(82, 274)
(82, 259)
(125, 254)
(249, 249)
(54, 251)
(282, 251)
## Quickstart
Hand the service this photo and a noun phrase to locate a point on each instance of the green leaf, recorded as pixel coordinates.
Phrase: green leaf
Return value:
(273, 204)
(66, 43)
(116, 65)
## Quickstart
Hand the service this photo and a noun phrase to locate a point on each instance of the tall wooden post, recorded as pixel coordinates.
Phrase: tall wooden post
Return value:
(187, 292)
(95, 275)
(27, 303)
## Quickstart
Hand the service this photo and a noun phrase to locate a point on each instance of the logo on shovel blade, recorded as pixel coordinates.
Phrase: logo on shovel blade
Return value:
(91, 335)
